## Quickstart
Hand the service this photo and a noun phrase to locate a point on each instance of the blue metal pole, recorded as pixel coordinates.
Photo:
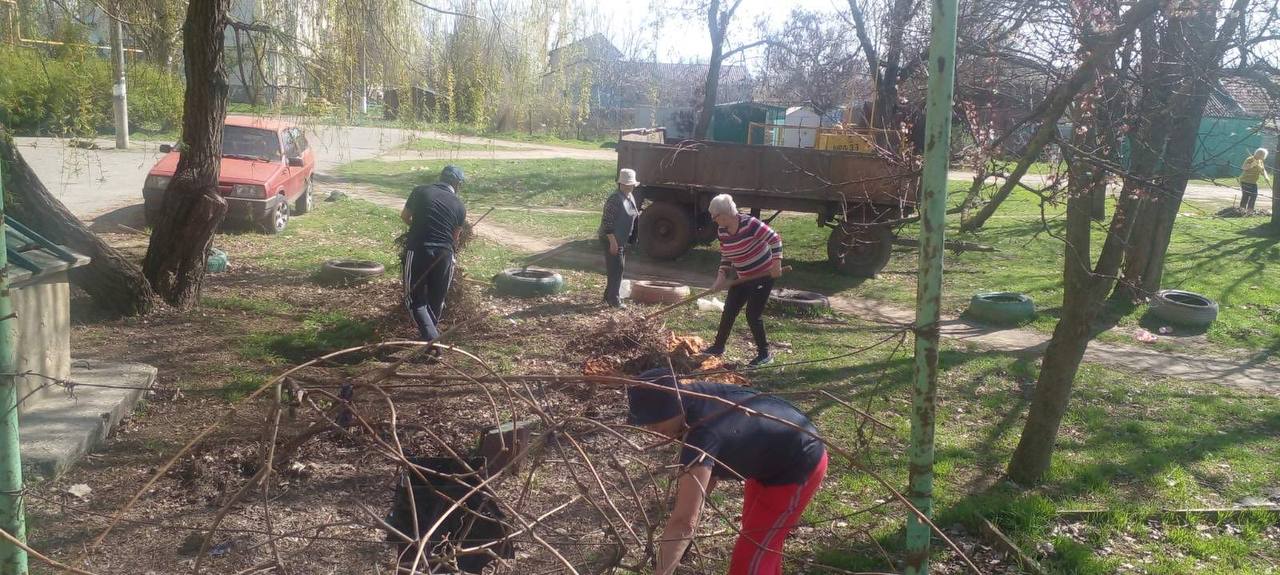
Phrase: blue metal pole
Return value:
(933, 210)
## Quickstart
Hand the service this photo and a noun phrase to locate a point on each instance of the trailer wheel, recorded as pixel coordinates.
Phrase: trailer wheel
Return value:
(860, 250)
(666, 230)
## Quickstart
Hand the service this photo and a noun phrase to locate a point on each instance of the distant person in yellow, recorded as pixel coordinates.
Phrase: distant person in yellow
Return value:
(1255, 166)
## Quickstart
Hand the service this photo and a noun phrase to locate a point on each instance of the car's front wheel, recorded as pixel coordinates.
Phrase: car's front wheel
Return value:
(277, 218)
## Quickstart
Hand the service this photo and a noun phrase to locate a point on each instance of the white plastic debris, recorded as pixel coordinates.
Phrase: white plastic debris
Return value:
(1144, 336)
(624, 290)
(80, 490)
(710, 304)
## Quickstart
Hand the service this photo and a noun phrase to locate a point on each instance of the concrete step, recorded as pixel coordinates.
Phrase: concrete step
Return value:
(57, 431)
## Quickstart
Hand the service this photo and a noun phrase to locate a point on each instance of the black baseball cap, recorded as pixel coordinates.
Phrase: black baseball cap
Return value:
(647, 404)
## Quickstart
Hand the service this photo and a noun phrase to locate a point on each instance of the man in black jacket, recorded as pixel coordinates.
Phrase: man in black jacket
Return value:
(435, 216)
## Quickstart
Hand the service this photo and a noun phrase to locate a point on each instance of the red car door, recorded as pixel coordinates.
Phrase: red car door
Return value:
(294, 176)
(308, 155)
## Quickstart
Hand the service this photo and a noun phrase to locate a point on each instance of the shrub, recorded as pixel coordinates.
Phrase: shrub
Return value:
(155, 98)
(70, 95)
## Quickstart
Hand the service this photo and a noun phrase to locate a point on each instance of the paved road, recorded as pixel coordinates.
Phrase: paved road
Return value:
(93, 182)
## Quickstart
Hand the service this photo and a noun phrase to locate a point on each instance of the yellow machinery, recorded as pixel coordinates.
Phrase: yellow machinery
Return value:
(842, 140)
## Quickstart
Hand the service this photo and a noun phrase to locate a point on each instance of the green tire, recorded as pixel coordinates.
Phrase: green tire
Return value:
(532, 282)
(1001, 308)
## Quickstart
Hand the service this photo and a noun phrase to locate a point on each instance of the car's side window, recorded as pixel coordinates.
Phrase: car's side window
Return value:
(290, 145)
(300, 138)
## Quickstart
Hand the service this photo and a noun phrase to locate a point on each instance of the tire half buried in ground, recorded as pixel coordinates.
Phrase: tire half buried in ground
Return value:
(798, 302)
(1001, 308)
(1183, 308)
(645, 291)
(346, 272)
(531, 282)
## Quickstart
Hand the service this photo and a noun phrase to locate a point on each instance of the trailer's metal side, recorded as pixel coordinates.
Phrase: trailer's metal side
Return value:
(859, 195)
(790, 173)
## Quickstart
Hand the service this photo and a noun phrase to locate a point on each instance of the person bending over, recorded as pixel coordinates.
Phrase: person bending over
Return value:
(781, 460)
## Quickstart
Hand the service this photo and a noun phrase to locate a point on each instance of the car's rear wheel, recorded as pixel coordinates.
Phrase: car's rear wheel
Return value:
(278, 218)
(151, 213)
(303, 204)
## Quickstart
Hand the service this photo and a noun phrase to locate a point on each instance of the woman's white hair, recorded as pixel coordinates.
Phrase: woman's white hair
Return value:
(722, 205)
(1262, 151)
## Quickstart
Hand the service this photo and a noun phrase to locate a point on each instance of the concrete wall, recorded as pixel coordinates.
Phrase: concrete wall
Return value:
(44, 333)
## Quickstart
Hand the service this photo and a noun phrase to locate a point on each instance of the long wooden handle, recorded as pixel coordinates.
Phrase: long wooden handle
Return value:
(702, 294)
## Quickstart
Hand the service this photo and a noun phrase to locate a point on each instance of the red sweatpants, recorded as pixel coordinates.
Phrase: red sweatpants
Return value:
(768, 515)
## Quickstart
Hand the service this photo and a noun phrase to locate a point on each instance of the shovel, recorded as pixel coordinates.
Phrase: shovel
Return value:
(702, 294)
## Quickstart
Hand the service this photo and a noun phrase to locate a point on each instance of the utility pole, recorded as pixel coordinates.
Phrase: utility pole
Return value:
(364, 76)
(933, 225)
(13, 559)
(118, 93)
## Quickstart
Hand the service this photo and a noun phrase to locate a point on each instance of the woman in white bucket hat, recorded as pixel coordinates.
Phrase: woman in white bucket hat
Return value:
(617, 229)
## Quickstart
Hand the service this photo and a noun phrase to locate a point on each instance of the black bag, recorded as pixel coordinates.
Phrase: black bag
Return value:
(479, 523)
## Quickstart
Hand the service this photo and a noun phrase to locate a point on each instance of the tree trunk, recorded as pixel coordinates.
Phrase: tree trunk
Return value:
(1083, 287)
(1145, 254)
(1057, 102)
(113, 281)
(1062, 358)
(1275, 190)
(192, 208)
(712, 83)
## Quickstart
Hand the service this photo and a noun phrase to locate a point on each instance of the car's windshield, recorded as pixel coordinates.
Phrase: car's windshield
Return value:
(241, 142)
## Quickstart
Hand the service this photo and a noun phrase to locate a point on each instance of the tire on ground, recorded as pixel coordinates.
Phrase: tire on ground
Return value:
(798, 302)
(666, 230)
(1183, 308)
(860, 250)
(643, 291)
(347, 272)
(1001, 308)
(531, 282)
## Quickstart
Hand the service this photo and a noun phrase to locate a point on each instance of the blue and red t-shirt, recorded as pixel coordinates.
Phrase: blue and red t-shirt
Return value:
(751, 249)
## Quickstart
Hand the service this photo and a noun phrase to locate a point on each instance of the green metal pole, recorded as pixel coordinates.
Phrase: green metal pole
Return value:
(933, 210)
(13, 559)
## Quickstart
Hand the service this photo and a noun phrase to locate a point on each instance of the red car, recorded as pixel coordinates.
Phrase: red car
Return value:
(265, 176)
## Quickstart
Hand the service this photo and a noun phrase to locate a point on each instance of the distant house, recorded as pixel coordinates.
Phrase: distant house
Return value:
(1228, 132)
(638, 94)
(275, 71)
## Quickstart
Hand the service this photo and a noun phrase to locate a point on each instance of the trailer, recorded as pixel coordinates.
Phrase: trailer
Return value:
(862, 196)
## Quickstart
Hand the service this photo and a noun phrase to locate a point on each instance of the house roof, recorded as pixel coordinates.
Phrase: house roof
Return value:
(1252, 99)
(31, 256)
(676, 84)
(595, 47)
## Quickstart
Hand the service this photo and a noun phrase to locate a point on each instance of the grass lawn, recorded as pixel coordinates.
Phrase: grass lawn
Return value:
(1229, 260)
(436, 144)
(1224, 259)
(534, 183)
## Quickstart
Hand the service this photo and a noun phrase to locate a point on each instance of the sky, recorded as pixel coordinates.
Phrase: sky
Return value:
(682, 38)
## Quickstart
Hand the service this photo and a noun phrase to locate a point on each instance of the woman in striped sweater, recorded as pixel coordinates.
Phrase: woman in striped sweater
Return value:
(751, 249)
